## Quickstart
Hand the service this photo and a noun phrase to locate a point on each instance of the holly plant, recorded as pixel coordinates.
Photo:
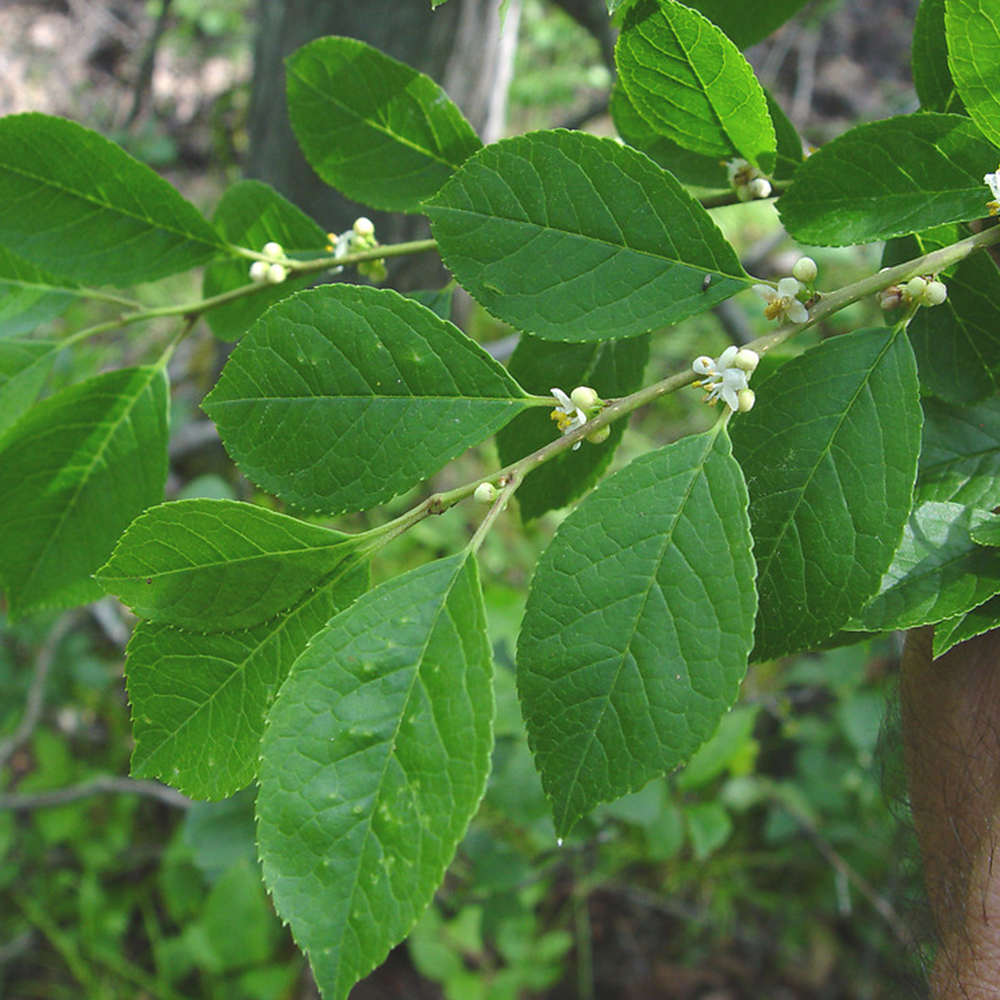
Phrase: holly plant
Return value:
(848, 493)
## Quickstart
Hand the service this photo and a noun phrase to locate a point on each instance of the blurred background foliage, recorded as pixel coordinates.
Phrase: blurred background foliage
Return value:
(774, 864)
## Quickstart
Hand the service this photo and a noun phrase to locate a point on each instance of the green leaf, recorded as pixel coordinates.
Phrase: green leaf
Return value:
(24, 367)
(960, 456)
(373, 762)
(957, 344)
(830, 452)
(690, 83)
(572, 237)
(747, 25)
(613, 368)
(341, 397)
(972, 30)
(251, 214)
(28, 296)
(689, 168)
(217, 565)
(74, 471)
(887, 178)
(931, 76)
(638, 625)
(938, 571)
(966, 626)
(199, 701)
(373, 128)
(79, 206)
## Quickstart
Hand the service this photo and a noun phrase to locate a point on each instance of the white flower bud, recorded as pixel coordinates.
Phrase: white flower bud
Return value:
(746, 360)
(746, 397)
(759, 187)
(273, 249)
(915, 287)
(805, 269)
(600, 435)
(485, 493)
(364, 227)
(276, 273)
(258, 271)
(935, 293)
(584, 397)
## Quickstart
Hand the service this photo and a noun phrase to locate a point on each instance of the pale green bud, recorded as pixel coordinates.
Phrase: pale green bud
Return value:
(273, 249)
(746, 397)
(584, 397)
(805, 270)
(485, 493)
(935, 293)
(600, 435)
(915, 287)
(364, 227)
(276, 273)
(746, 360)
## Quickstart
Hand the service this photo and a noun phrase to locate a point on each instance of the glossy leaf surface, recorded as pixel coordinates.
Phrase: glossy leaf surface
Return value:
(972, 29)
(218, 565)
(374, 760)
(199, 701)
(938, 572)
(76, 204)
(691, 84)
(370, 126)
(887, 178)
(960, 455)
(24, 367)
(931, 75)
(829, 496)
(74, 472)
(575, 238)
(341, 397)
(638, 625)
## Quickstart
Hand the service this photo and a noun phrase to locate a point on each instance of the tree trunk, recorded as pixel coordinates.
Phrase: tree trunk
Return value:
(460, 44)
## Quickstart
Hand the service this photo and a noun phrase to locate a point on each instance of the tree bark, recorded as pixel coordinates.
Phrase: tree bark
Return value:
(950, 711)
(460, 44)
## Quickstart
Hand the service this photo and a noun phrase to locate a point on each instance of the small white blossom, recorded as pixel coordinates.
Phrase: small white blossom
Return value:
(276, 273)
(722, 379)
(567, 415)
(992, 181)
(784, 301)
(273, 249)
(759, 187)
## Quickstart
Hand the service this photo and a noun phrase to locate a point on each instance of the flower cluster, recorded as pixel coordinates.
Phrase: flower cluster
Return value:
(361, 236)
(273, 271)
(727, 376)
(918, 291)
(783, 302)
(747, 181)
(574, 410)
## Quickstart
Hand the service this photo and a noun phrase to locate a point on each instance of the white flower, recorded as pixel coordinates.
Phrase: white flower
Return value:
(567, 415)
(722, 378)
(783, 302)
(992, 181)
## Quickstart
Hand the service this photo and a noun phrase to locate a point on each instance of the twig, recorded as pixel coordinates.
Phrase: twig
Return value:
(842, 867)
(36, 693)
(96, 786)
(145, 77)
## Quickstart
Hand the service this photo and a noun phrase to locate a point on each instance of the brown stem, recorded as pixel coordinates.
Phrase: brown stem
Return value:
(951, 732)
